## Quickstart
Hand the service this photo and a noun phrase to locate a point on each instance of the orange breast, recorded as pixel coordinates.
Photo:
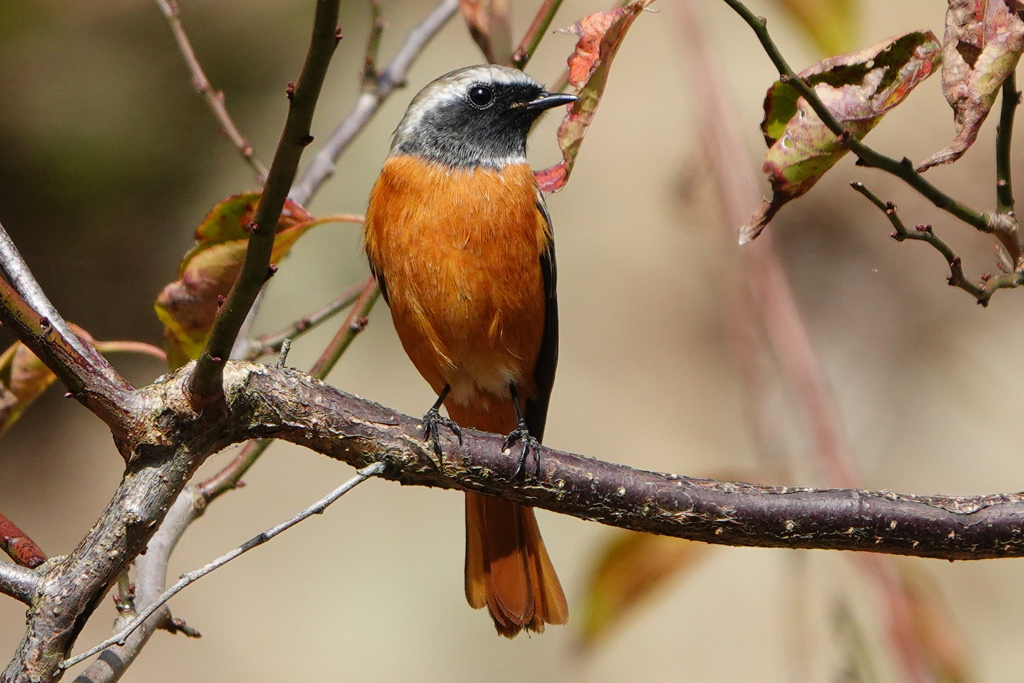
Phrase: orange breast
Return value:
(460, 252)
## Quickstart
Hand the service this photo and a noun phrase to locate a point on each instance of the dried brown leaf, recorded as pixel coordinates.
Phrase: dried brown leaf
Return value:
(982, 45)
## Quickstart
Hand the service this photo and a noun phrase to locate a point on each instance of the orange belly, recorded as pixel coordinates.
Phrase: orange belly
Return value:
(459, 251)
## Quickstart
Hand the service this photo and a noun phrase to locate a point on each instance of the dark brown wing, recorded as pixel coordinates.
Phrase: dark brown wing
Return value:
(547, 359)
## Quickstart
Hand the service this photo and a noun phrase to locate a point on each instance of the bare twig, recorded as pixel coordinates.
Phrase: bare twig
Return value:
(232, 473)
(1004, 228)
(353, 325)
(18, 546)
(20, 583)
(377, 26)
(924, 233)
(323, 163)
(206, 383)
(214, 98)
(190, 578)
(271, 343)
(1004, 138)
(534, 34)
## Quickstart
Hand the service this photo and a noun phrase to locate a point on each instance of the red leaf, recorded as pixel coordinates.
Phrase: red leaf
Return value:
(600, 36)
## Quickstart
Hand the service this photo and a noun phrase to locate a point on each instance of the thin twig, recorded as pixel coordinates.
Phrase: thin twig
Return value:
(323, 163)
(1004, 138)
(1000, 225)
(229, 476)
(214, 98)
(18, 546)
(353, 325)
(19, 583)
(534, 34)
(14, 268)
(271, 343)
(206, 380)
(924, 233)
(377, 26)
(190, 578)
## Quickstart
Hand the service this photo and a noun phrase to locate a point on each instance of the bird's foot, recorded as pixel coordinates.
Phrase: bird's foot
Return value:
(432, 423)
(530, 445)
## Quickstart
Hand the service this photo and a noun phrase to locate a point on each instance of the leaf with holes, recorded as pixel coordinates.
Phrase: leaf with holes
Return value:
(983, 43)
(600, 36)
(858, 88)
(188, 306)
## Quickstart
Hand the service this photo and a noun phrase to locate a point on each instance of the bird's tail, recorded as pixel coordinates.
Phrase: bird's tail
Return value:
(507, 565)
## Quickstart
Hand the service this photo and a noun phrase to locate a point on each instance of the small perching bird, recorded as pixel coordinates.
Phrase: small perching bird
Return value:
(460, 240)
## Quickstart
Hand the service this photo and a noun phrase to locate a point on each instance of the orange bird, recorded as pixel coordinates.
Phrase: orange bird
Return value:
(460, 241)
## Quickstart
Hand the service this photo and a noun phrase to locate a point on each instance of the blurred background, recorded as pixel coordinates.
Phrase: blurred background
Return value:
(108, 161)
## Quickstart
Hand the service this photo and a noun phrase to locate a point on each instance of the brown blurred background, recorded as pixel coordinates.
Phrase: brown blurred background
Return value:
(108, 160)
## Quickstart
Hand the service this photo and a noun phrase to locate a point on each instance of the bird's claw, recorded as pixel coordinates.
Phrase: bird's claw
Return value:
(530, 444)
(432, 423)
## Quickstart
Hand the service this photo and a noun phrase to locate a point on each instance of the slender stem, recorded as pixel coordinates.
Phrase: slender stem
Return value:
(1004, 138)
(323, 164)
(377, 27)
(206, 379)
(924, 233)
(190, 578)
(271, 343)
(353, 325)
(535, 33)
(18, 546)
(14, 268)
(232, 473)
(214, 98)
(903, 169)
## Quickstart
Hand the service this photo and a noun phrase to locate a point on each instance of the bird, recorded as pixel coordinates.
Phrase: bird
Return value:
(459, 238)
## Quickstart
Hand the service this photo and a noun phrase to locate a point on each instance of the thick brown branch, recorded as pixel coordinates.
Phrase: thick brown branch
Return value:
(289, 405)
(170, 439)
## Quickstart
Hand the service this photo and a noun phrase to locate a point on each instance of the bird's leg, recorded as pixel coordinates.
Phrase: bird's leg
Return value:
(521, 433)
(433, 421)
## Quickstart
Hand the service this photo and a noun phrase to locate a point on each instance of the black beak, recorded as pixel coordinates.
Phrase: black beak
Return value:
(547, 100)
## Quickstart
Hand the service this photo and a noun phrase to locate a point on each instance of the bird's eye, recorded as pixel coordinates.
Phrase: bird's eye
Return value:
(480, 95)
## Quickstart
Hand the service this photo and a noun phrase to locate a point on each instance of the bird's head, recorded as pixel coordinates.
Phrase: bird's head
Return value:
(475, 116)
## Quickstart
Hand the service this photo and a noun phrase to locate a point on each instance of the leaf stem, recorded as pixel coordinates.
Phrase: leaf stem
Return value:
(1004, 137)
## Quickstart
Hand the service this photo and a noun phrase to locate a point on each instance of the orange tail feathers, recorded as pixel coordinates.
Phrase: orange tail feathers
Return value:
(508, 568)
